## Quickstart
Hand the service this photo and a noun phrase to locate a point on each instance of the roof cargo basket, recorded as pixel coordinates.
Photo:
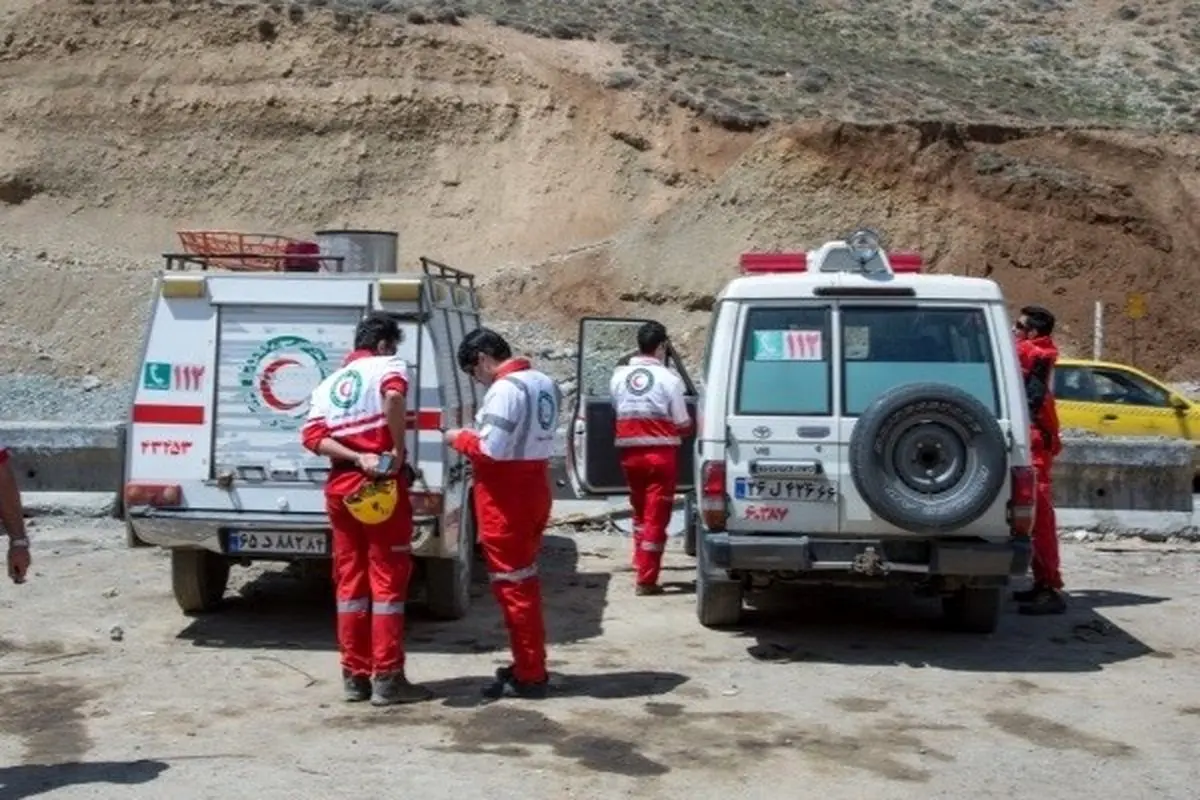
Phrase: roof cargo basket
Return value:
(250, 252)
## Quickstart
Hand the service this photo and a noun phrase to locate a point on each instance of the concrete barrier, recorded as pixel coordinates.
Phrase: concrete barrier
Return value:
(1126, 474)
(1108, 484)
(66, 457)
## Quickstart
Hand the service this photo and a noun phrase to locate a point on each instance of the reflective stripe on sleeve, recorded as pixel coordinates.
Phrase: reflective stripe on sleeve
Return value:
(646, 441)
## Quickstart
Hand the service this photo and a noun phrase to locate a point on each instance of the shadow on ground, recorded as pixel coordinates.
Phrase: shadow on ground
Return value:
(880, 628)
(289, 609)
(31, 780)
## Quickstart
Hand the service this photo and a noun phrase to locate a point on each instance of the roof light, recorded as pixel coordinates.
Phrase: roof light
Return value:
(905, 261)
(189, 287)
(865, 244)
(773, 262)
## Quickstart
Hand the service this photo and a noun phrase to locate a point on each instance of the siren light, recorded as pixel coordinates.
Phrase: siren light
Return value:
(901, 261)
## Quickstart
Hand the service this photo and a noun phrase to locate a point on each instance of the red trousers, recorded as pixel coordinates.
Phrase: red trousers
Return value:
(1045, 528)
(652, 473)
(513, 501)
(372, 565)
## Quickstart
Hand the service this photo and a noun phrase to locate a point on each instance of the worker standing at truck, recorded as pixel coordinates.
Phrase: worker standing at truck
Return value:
(357, 420)
(1038, 355)
(652, 419)
(510, 450)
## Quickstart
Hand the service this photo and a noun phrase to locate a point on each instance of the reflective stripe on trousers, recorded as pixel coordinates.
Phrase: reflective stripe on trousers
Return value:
(647, 441)
(516, 576)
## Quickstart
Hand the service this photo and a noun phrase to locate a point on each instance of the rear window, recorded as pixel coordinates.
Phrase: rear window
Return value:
(785, 362)
(883, 348)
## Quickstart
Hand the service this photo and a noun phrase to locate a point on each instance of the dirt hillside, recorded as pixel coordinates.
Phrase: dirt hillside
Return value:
(612, 173)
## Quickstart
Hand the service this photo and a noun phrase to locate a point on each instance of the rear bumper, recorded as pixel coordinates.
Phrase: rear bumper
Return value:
(208, 531)
(805, 554)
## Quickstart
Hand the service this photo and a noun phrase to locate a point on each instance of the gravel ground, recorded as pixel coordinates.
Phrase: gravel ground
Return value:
(107, 688)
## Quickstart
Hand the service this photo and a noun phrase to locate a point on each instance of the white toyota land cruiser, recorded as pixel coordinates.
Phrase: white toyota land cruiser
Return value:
(860, 423)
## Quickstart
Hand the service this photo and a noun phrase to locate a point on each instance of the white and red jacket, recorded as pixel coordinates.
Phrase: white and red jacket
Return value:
(515, 424)
(648, 399)
(348, 407)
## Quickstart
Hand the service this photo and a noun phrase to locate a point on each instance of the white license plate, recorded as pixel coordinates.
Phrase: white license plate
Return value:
(299, 544)
(799, 491)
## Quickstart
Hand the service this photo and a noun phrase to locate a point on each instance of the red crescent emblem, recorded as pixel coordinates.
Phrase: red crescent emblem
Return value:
(268, 376)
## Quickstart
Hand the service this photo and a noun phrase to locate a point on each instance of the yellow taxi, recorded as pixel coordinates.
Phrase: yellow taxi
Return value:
(1120, 400)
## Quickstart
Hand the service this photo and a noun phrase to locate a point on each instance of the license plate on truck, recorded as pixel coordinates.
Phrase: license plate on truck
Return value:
(798, 491)
(277, 543)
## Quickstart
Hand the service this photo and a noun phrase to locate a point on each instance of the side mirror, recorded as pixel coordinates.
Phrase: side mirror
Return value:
(1179, 403)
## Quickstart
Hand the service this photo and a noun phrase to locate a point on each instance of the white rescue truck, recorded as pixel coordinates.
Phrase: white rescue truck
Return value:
(242, 329)
(860, 423)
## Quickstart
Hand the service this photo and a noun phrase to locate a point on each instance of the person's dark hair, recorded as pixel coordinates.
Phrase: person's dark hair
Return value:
(650, 336)
(482, 341)
(1040, 320)
(375, 329)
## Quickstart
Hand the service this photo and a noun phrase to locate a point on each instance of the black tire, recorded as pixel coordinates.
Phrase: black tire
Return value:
(974, 610)
(448, 580)
(718, 602)
(952, 433)
(689, 525)
(198, 579)
(131, 537)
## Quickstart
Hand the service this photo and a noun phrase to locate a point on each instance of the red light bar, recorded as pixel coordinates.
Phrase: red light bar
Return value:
(773, 262)
(905, 261)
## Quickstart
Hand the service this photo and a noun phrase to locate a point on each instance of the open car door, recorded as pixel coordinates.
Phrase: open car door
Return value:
(593, 463)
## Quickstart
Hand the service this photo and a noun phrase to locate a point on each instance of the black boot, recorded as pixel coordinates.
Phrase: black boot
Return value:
(507, 685)
(1027, 595)
(394, 689)
(355, 688)
(1045, 601)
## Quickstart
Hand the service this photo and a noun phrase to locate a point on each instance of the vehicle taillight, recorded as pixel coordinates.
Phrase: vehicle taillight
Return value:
(1024, 498)
(159, 495)
(426, 504)
(712, 495)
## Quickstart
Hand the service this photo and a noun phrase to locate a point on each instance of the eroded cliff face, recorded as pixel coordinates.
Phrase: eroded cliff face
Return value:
(507, 155)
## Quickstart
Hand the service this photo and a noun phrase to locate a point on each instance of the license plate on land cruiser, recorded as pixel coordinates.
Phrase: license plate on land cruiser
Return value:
(785, 491)
(276, 543)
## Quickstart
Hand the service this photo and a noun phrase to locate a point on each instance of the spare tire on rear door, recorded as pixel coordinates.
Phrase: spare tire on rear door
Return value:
(928, 457)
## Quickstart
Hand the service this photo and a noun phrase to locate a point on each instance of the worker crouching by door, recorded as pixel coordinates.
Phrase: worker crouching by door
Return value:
(357, 419)
(652, 418)
(510, 450)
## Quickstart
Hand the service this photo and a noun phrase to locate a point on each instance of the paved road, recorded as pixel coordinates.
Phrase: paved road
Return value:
(827, 695)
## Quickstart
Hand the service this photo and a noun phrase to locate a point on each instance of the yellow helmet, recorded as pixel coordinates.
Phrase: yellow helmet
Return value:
(374, 502)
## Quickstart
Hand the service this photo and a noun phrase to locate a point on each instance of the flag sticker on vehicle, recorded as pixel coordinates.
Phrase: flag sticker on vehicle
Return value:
(789, 345)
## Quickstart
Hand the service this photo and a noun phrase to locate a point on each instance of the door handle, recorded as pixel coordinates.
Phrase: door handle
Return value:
(1109, 417)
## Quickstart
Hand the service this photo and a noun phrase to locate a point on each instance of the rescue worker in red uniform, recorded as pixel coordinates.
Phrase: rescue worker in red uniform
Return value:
(652, 420)
(1038, 356)
(12, 519)
(356, 417)
(510, 450)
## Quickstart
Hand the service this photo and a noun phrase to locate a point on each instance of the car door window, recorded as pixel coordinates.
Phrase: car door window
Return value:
(1072, 383)
(1125, 388)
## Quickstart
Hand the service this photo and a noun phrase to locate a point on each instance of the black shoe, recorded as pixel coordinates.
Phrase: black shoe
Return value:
(507, 685)
(355, 688)
(648, 589)
(1027, 595)
(1046, 601)
(394, 689)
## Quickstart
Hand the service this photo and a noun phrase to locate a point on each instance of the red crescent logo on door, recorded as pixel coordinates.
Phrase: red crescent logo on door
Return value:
(268, 377)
